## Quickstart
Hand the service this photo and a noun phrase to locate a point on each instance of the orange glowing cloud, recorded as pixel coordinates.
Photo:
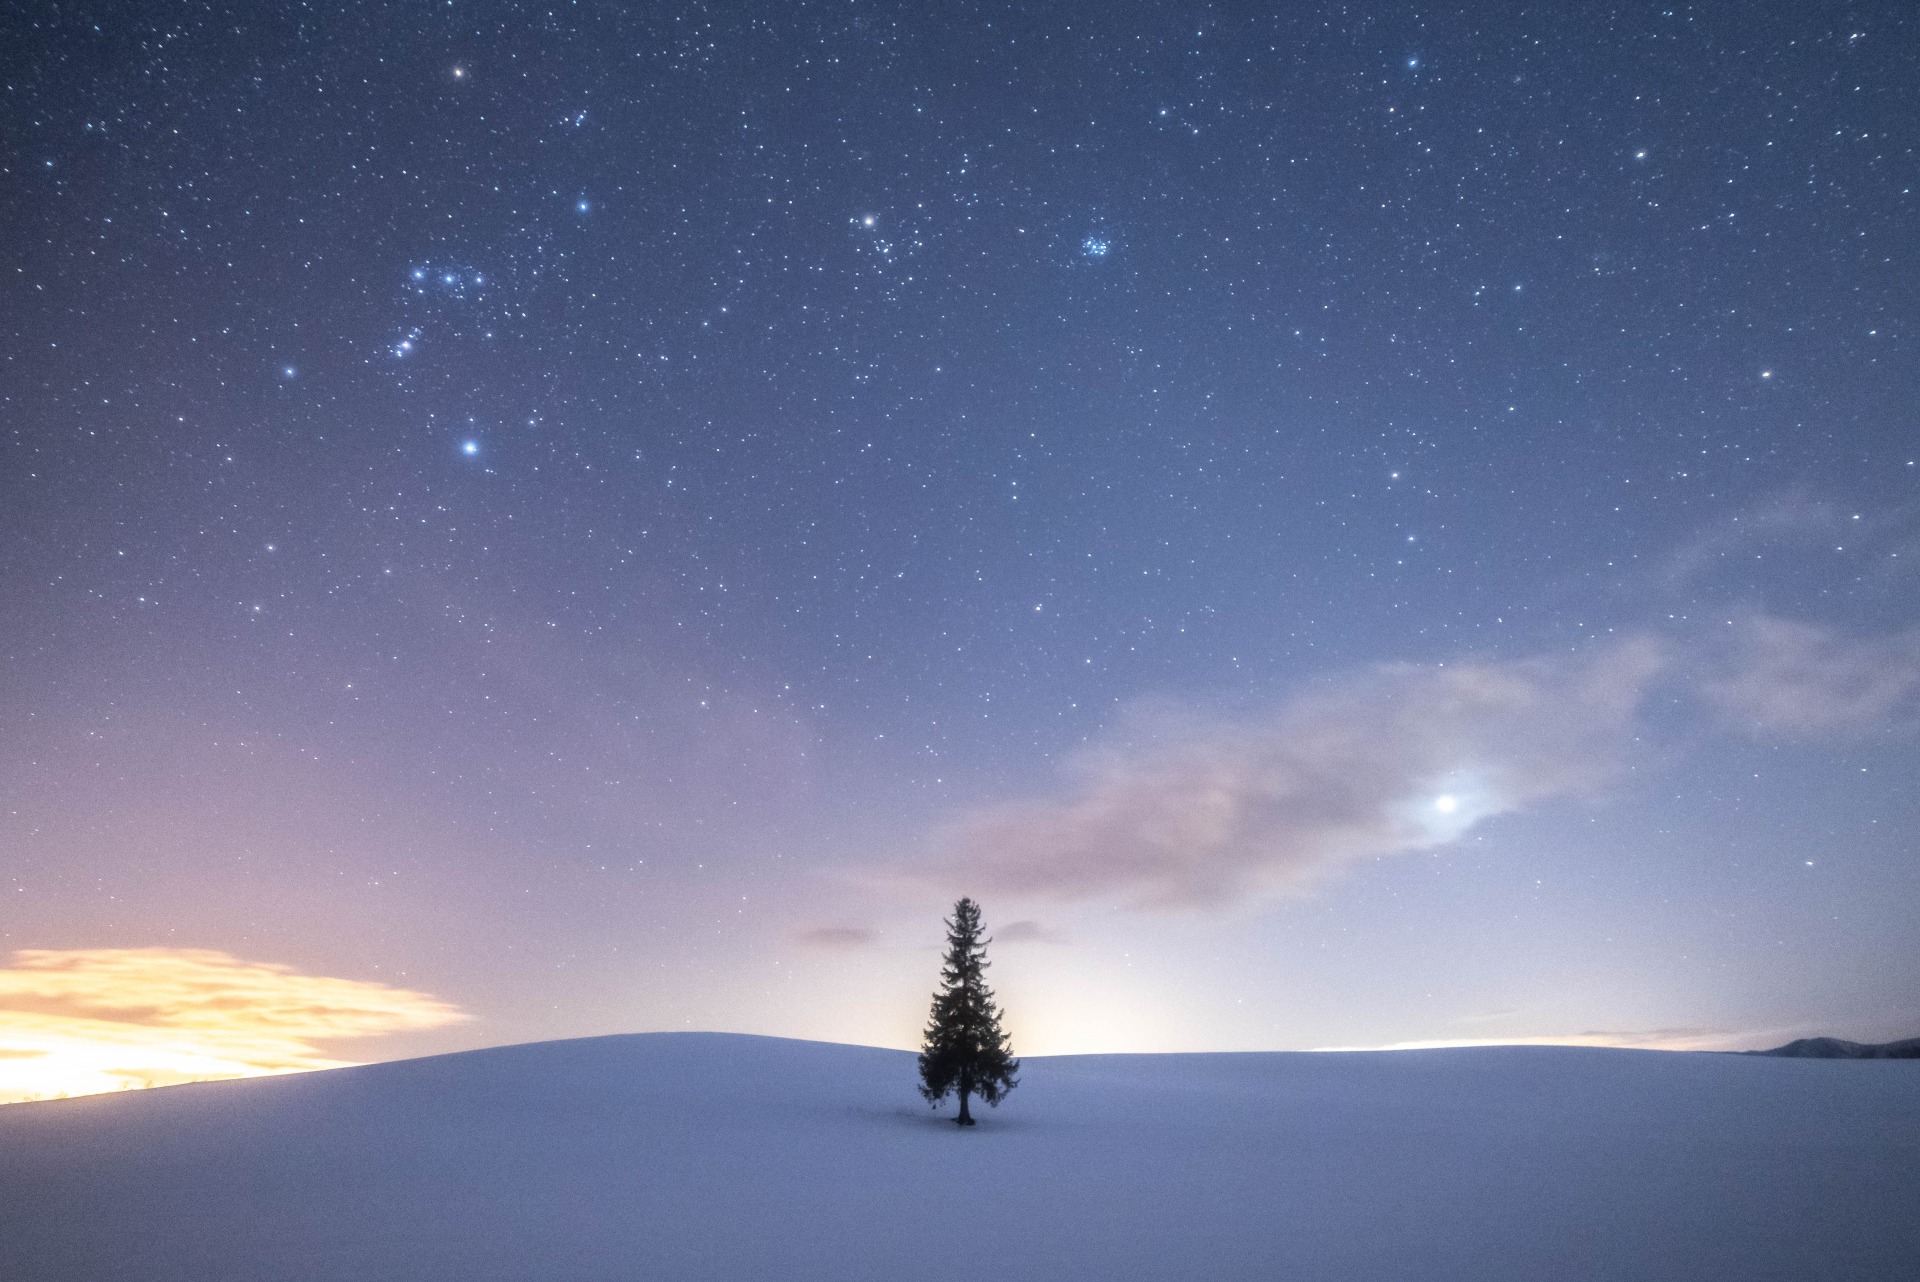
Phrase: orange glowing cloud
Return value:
(83, 1021)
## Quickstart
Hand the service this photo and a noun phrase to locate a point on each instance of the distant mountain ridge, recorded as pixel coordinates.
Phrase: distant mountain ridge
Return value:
(1837, 1048)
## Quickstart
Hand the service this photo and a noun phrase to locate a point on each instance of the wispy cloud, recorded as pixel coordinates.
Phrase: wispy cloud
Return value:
(1780, 677)
(1784, 522)
(1030, 932)
(839, 938)
(1395, 759)
(82, 1021)
(1404, 757)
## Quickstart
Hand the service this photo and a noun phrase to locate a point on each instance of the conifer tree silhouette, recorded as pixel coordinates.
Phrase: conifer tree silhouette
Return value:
(965, 1052)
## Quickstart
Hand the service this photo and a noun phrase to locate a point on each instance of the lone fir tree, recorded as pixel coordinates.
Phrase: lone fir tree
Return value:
(965, 1052)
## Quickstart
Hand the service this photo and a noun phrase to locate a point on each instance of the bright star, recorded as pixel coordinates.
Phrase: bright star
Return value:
(582, 206)
(469, 447)
(1446, 805)
(288, 372)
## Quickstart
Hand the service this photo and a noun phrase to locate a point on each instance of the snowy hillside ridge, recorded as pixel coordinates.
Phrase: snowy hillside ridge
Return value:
(712, 1156)
(1837, 1048)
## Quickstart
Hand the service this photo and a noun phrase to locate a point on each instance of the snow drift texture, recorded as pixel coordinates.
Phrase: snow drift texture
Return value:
(704, 1156)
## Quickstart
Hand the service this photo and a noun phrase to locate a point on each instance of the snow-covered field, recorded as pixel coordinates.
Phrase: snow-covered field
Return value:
(707, 1156)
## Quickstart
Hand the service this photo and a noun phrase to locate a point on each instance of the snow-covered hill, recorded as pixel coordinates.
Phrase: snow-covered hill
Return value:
(707, 1156)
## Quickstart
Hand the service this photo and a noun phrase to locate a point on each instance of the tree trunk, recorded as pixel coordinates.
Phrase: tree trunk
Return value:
(966, 1089)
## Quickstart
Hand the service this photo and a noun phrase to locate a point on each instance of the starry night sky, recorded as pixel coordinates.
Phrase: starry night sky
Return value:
(1344, 526)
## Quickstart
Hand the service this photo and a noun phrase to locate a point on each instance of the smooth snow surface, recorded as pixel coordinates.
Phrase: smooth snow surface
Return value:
(708, 1156)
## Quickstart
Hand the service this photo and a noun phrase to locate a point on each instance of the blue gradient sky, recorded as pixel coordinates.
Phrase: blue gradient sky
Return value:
(614, 518)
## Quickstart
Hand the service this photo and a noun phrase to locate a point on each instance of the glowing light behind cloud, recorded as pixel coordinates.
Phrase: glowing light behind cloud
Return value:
(1390, 760)
(83, 1021)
